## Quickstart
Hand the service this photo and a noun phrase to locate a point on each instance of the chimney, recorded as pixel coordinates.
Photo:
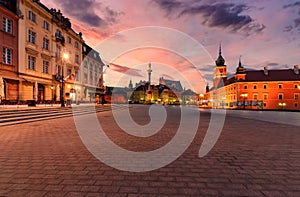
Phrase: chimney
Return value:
(296, 69)
(266, 70)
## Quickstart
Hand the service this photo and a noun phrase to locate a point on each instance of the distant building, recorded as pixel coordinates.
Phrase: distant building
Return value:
(189, 97)
(116, 95)
(254, 89)
(91, 75)
(173, 85)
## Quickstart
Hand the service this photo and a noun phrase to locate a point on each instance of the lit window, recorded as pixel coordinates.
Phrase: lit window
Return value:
(280, 96)
(46, 25)
(46, 67)
(31, 36)
(46, 43)
(31, 16)
(31, 62)
(6, 55)
(7, 25)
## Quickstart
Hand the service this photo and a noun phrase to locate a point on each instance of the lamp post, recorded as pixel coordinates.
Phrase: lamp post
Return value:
(52, 96)
(102, 84)
(244, 96)
(65, 58)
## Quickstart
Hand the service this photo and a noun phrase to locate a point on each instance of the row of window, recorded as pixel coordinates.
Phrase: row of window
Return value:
(265, 96)
(32, 17)
(32, 66)
(32, 39)
(92, 80)
(91, 66)
(265, 86)
(280, 86)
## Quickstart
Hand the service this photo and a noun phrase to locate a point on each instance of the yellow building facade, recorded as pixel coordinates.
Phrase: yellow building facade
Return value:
(44, 35)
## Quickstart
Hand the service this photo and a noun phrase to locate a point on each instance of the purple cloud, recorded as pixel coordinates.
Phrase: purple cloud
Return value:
(125, 70)
(85, 11)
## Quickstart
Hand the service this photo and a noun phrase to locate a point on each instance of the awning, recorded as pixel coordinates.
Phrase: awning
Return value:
(12, 78)
(39, 81)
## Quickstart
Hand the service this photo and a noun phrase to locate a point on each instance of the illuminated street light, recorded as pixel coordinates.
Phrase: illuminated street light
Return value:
(65, 58)
(282, 105)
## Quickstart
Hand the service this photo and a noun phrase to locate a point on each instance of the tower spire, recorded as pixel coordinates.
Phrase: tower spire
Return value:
(149, 70)
(240, 63)
(220, 61)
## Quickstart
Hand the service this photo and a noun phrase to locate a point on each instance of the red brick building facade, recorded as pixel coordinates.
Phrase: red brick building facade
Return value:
(9, 51)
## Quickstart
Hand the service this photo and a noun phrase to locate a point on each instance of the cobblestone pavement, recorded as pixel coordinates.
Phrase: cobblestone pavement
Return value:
(251, 158)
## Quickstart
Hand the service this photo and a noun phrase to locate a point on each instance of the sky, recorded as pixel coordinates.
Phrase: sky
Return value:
(181, 38)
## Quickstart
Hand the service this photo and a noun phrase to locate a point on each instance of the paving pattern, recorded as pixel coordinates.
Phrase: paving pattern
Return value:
(251, 158)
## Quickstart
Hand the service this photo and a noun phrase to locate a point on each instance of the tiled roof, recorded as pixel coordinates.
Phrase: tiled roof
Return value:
(188, 92)
(174, 85)
(273, 75)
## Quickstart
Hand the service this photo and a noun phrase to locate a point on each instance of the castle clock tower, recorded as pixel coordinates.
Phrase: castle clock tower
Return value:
(220, 69)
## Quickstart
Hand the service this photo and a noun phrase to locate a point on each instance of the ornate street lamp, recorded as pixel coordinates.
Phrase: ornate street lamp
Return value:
(65, 58)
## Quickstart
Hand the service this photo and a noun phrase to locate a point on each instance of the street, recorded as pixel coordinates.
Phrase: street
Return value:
(250, 158)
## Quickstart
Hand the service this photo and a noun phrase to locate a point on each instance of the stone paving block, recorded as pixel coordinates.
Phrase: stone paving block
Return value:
(94, 194)
(128, 189)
